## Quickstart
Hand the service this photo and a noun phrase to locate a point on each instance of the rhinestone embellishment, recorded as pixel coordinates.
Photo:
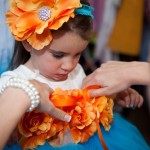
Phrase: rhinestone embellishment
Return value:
(44, 13)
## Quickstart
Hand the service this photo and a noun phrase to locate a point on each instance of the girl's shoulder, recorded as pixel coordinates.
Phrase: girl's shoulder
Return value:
(5, 77)
(12, 73)
(20, 72)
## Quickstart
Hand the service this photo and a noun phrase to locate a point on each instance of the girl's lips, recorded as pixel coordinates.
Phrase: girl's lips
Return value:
(61, 75)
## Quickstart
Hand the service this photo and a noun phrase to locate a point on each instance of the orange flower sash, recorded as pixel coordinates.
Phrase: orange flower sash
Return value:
(36, 127)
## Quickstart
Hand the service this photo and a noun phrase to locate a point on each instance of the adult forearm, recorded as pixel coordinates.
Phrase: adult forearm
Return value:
(115, 76)
(139, 73)
(13, 103)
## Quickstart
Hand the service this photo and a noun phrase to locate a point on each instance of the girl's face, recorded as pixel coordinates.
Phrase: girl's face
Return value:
(58, 59)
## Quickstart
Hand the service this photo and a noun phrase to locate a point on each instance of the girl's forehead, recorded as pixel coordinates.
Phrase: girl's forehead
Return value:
(68, 42)
(66, 38)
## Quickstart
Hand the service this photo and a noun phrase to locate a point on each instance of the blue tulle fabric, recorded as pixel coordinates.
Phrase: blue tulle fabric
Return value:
(122, 136)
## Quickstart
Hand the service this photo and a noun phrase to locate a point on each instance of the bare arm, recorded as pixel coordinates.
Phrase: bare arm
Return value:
(14, 102)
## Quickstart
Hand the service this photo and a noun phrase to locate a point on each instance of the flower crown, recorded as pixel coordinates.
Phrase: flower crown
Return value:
(33, 20)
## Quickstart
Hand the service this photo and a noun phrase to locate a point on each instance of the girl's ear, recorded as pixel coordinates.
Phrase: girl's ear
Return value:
(27, 46)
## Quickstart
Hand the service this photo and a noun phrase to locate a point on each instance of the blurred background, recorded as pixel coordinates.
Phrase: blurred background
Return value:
(121, 32)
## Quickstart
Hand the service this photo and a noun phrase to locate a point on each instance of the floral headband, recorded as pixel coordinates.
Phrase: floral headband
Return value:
(33, 20)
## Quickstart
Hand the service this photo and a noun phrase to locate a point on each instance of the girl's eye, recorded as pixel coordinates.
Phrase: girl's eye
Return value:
(58, 56)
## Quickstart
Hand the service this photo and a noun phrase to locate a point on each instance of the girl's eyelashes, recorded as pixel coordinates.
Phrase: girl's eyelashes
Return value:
(58, 55)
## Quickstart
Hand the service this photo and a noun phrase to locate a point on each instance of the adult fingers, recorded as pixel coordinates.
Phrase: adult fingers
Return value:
(46, 105)
(90, 79)
(105, 91)
(99, 92)
(59, 114)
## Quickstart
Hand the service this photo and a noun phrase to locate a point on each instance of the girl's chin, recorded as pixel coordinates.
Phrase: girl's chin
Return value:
(57, 77)
(60, 79)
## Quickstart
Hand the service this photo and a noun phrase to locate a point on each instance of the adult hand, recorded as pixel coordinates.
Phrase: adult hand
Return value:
(14, 107)
(115, 76)
(46, 105)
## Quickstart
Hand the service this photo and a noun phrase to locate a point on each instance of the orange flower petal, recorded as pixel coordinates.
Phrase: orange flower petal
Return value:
(33, 129)
(77, 93)
(91, 129)
(29, 20)
(78, 109)
(11, 18)
(44, 126)
(92, 115)
(62, 6)
(88, 122)
(76, 135)
(33, 142)
(38, 41)
(57, 23)
(102, 103)
(81, 127)
(84, 137)
(57, 141)
(59, 125)
(51, 132)
(14, 9)
(24, 131)
(75, 120)
(30, 5)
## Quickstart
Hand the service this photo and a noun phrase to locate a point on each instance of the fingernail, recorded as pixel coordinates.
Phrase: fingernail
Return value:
(127, 106)
(67, 118)
(131, 105)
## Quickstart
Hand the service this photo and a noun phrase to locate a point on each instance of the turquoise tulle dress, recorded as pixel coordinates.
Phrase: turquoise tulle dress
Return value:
(122, 136)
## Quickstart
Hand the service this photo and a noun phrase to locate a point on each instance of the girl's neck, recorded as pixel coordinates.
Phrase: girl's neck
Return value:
(29, 64)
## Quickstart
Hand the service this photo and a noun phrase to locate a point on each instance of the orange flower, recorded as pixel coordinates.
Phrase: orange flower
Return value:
(106, 116)
(34, 128)
(104, 106)
(37, 127)
(32, 20)
(82, 124)
(77, 103)
(56, 133)
(84, 111)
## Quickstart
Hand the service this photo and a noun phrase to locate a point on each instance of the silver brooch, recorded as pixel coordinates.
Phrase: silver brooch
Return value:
(44, 13)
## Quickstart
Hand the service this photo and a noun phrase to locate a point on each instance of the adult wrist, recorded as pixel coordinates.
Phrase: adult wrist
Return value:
(27, 87)
(140, 73)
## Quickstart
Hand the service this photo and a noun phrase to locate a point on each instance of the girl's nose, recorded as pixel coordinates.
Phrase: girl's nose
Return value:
(68, 65)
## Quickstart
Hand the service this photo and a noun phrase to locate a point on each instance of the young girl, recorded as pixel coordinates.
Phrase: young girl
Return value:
(53, 40)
